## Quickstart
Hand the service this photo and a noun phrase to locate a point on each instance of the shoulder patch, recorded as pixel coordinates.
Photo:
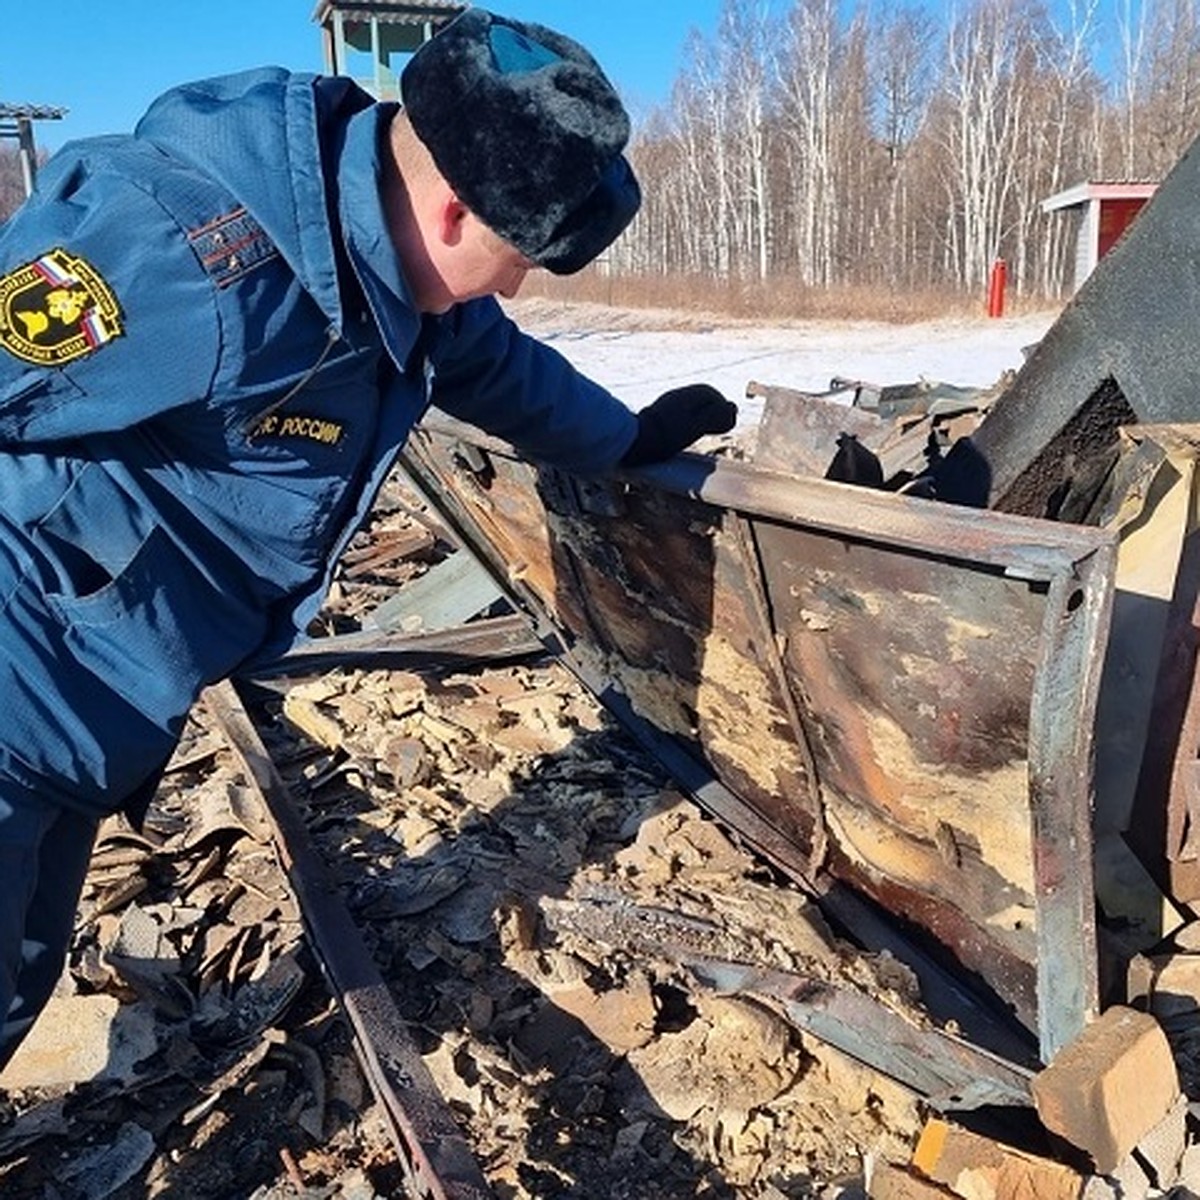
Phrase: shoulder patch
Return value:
(231, 246)
(55, 309)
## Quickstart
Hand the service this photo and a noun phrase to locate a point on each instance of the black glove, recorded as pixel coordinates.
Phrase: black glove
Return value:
(676, 419)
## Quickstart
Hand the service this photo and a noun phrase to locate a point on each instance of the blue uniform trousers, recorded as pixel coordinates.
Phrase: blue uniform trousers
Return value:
(44, 855)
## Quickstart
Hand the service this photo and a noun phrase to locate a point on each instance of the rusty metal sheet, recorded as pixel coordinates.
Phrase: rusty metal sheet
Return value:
(805, 428)
(799, 431)
(897, 692)
(490, 639)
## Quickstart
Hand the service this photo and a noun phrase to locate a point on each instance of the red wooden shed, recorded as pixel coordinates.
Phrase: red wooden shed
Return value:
(1104, 211)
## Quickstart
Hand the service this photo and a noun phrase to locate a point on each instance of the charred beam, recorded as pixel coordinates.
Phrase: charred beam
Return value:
(436, 1156)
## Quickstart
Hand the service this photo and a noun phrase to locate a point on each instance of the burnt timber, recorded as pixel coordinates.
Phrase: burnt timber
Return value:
(436, 1158)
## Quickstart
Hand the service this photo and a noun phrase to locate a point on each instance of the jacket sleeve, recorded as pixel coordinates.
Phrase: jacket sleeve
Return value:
(491, 374)
(107, 316)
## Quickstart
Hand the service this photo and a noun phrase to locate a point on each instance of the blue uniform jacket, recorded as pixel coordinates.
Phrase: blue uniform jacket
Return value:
(208, 361)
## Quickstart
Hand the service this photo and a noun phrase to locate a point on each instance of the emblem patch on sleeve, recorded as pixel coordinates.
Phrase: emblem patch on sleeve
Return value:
(56, 309)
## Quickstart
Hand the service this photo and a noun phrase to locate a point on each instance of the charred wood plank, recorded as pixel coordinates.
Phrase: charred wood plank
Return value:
(385, 549)
(435, 1153)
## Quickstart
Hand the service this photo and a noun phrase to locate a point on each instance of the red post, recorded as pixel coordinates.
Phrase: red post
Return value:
(995, 307)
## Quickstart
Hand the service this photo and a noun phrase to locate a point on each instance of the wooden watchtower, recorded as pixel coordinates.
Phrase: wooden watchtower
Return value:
(378, 29)
(16, 121)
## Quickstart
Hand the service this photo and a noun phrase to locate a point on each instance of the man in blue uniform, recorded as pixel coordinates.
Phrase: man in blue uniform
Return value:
(215, 334)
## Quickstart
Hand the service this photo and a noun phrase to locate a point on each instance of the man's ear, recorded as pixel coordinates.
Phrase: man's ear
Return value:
(452, 214)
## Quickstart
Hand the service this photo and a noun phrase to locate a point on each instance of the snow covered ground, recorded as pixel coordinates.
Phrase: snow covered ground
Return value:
(639, 356)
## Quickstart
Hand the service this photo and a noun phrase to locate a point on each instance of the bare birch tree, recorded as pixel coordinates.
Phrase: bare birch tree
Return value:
(903, 146)
(1172, 95)
(746, 32)
(901, 64)
(703, 92)
(1131, 29)
(1056, 146)
(985, 113)
(806, 126)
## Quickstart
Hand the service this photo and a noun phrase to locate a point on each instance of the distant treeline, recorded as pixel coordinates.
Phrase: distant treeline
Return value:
(902, 148)
(895, 146)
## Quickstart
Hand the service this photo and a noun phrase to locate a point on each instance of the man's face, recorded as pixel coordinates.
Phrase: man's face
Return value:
(483, 264)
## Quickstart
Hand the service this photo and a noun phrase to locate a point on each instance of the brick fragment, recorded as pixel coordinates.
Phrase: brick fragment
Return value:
(1139, 979)
(1128, 1182)
(81, 1038)
(1175, 989)
(1110, 1087)
(974, 1166)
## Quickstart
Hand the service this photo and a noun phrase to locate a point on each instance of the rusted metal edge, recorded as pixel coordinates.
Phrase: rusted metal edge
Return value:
(1027, 548)
(750, 554)
(948, 1072)
(492, 639)
(946, 996)
(431, 1146)
(1062, 712)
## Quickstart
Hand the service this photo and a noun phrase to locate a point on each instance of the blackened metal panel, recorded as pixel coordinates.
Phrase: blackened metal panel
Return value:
(917, 673)
(899, 689)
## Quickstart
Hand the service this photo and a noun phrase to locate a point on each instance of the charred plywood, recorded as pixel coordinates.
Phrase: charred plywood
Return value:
(896, 692)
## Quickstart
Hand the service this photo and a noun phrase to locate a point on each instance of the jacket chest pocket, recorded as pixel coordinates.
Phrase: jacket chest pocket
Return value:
(159, 629)
(91, 534)
(326, 415)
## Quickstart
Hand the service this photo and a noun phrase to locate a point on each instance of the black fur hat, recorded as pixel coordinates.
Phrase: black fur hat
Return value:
(525, 127)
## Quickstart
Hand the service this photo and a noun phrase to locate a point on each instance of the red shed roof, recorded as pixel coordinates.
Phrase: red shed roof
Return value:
(1081, 193)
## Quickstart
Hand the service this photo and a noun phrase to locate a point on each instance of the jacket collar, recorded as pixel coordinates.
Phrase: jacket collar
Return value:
(365, 230)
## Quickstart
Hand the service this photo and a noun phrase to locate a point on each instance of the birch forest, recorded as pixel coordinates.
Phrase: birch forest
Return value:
(896, 147)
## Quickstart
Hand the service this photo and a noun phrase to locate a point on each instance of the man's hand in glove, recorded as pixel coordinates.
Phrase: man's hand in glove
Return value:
(676, 419)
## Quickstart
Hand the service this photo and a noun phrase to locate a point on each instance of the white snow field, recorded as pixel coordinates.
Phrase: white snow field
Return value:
(638, 356)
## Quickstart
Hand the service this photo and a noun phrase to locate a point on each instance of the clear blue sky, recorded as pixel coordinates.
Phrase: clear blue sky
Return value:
(106, 62)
